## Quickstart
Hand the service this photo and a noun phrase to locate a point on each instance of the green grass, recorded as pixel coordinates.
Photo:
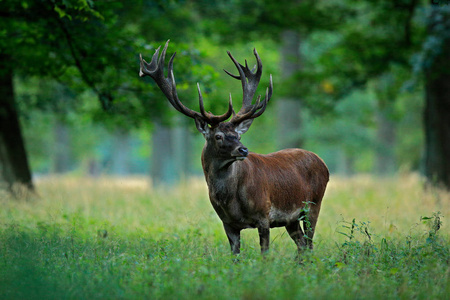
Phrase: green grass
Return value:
(118, 239)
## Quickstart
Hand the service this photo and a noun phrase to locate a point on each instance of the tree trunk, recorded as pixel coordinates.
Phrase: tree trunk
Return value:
(288, 108)
(13, 157)
(182, 146)
(162, 168)
(171, 159)
(437, 107)
(345, 163)
(120, 164)
(62, 153)
(385, 154)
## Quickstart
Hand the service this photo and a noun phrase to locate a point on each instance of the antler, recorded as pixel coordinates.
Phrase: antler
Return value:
(250, 80)
(155, 69)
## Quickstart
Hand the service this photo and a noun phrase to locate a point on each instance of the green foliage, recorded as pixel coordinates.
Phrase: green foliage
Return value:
(405, 259)
(232, 21)
(371, 39)
(79, 60)
(92, 49)
(433, 44)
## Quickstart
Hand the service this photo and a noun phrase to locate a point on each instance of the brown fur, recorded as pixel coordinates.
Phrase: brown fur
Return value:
(264, 191)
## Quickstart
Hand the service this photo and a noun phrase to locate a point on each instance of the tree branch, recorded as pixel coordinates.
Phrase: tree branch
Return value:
(105, 98)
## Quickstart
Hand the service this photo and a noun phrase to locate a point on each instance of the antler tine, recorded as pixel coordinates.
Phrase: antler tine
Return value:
(155, 69)
(213, 119)
(269, 90)
(162, 58)
(262, 106)
(250, 80)
(207, 116)
(171, 79)
(240, 68)
(146, 68)
(247, 115)
(176, 103)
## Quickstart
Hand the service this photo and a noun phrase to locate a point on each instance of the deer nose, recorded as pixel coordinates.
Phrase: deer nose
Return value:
(243, 151)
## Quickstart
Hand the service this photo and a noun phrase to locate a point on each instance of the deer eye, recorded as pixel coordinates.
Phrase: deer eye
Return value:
(218, 137)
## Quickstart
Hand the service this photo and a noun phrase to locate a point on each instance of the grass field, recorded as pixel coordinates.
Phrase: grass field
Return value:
(115, 238)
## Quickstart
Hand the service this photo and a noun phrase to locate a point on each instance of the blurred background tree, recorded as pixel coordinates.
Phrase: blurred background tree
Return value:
(363, 84)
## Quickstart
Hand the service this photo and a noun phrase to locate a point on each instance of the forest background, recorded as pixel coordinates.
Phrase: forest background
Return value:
(101, 188)
(365, 85)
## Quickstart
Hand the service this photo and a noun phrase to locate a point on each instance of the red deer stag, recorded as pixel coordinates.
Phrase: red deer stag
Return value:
(249, 190)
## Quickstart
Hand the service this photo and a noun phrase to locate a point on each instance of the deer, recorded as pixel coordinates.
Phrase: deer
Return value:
(246, 189)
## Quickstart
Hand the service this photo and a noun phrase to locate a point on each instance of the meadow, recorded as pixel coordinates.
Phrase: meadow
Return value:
(118, 238)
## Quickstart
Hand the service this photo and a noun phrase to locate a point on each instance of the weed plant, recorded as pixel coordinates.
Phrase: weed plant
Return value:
(120, 239)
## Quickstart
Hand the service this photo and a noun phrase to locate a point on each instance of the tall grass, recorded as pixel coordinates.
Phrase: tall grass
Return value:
(113, 238)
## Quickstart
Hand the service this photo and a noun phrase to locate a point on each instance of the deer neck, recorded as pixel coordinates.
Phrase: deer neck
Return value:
(218, 169)
(222, 178)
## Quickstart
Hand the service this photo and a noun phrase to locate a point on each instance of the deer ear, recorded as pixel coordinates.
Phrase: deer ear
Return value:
(202, 126)
(243, 126)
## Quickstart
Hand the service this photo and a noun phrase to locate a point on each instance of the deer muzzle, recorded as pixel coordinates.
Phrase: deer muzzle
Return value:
(240, 153)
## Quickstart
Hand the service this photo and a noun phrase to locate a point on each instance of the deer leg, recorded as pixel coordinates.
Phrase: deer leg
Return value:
(234, 237)
(309, 224)
(264, 237)
(296, 233)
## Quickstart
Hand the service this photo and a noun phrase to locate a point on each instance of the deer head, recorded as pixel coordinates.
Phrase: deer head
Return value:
(223, 138)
